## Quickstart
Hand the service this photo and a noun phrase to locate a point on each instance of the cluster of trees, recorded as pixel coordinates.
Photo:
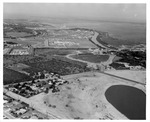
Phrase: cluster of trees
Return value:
(11, 76)
(134, 58)
(56, 66)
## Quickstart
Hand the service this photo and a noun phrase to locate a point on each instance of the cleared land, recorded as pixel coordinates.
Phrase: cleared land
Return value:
(139, 76)
(83, 98)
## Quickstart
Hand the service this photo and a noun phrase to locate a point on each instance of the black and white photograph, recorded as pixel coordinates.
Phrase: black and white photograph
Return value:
(74, 61)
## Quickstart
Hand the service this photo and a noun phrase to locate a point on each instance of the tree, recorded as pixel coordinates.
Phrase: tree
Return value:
(46, 91)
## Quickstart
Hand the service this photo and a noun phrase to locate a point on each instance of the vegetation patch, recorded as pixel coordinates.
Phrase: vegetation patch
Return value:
(134, 58)
(59, 65)
(118, 66)
(11, 76)
(91, 57)
(57, 51)
(17, 34)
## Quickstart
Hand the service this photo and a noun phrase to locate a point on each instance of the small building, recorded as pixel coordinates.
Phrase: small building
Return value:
(21, 111)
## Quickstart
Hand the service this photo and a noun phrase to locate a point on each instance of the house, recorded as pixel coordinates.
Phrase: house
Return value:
(5, 101)
(21, 111)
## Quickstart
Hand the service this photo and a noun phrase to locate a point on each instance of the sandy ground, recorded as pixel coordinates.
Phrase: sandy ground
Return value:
(139, 76)
(83, 97)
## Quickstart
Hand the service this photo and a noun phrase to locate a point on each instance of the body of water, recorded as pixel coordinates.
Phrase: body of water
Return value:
(128, 100)
(131, 32)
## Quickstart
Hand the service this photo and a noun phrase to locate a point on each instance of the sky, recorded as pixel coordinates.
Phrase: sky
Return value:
(92, 11)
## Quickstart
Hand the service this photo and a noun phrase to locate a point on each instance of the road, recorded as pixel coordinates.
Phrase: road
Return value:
(28, 101)
(124, 78)
(109, 61)
(8, 115)
(55, 114)
(94, 40)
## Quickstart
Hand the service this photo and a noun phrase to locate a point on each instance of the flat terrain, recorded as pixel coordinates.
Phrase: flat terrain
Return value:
(17, 34)
(83, 98)
(139, 76)
(53, 51)
(91, 57)
(11, 76)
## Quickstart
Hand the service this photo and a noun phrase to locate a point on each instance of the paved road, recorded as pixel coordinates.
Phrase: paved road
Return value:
(124, 78)
(49, 113)
(69, 57)
(5, 113)
(109, 61)
(36, 107)
(94, 40)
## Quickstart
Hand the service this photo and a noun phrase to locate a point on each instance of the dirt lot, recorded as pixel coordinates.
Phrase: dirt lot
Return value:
(82, 98)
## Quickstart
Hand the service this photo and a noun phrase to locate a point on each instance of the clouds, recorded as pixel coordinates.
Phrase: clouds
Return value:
(121, 12)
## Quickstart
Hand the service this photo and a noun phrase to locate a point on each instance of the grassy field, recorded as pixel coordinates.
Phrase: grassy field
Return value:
(8, 59)
(48, 51)
(57, 64)
(11, 76)
(91, 57)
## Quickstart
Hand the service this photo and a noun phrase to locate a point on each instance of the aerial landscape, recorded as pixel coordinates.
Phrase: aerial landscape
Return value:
(85, 61)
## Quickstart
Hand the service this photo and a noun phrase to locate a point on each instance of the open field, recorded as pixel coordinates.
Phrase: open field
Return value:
(53, 51)
(14, 59)
(17, 34)
(23, 41)
(11, 76)
(83, 98)
(139, 76)
(91, 57)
